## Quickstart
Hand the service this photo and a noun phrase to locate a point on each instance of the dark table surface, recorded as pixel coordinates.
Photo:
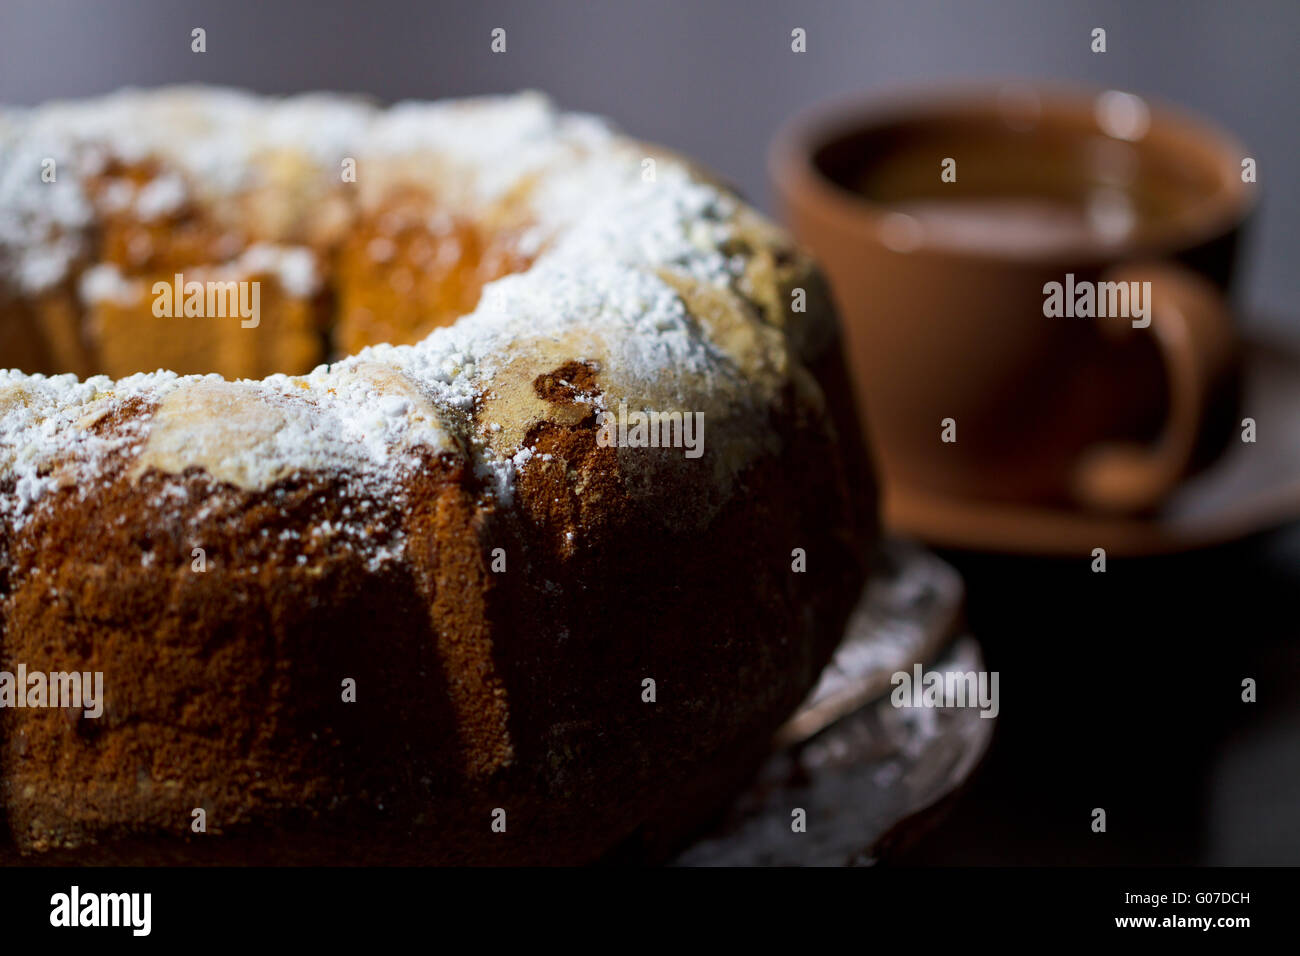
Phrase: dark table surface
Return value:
(1123, 690)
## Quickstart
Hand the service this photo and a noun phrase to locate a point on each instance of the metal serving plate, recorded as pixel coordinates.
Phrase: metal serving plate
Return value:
(863, 770)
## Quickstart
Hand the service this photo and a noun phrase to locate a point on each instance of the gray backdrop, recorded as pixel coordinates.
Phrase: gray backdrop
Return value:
(711, 78)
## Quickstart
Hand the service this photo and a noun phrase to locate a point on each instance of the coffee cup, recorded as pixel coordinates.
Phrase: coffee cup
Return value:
(1032, 285)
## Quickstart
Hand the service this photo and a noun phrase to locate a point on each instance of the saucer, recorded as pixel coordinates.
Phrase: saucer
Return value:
(1251, 488)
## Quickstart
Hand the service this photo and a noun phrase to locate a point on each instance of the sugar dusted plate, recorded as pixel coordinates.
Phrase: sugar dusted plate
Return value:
(862, 770)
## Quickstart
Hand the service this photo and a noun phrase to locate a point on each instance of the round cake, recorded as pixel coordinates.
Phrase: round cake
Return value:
(501, 495)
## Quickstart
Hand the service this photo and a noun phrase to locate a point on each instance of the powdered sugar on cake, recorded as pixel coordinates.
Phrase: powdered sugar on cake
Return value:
(596, 293)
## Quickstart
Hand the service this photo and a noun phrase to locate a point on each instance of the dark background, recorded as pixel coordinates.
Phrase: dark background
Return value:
(1119, 690)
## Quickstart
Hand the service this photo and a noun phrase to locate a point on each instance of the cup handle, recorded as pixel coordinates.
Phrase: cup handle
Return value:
(1193, 330)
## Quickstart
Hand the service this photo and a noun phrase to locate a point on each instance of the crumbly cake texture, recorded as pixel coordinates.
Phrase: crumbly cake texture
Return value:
(352, 520)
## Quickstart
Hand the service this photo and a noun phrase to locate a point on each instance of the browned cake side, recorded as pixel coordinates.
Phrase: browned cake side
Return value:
(476, 690)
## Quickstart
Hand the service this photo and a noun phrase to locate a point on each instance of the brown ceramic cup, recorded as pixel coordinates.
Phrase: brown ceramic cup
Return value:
(942, 219)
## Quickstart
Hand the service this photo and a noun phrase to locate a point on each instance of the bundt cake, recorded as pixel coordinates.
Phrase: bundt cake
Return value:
(387, 565)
